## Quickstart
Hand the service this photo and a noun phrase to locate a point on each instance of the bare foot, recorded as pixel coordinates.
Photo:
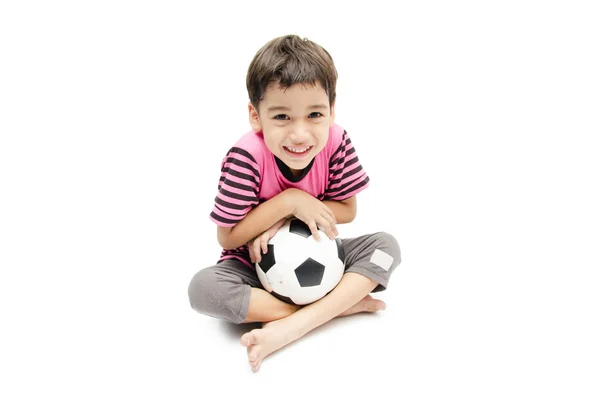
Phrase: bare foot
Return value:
(367, 304)
(276, 334)
(262, 342)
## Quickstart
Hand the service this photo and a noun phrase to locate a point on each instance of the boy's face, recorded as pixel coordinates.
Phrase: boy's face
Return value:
(295, 122)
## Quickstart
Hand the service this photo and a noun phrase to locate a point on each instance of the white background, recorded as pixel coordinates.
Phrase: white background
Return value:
(478, 124)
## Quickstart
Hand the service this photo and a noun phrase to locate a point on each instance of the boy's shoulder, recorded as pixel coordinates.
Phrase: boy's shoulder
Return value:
(336, 134)
(250, 145)
(251, 141)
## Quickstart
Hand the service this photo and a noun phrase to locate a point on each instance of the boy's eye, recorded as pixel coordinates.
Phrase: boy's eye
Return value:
(313, 115)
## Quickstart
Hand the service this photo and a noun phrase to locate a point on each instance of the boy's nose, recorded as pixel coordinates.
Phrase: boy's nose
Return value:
(299, 133)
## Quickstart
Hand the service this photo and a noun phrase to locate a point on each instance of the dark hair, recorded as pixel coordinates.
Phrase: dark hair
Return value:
(289, 60)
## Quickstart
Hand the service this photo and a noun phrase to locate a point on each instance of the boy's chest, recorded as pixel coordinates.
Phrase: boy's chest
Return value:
(274, 182)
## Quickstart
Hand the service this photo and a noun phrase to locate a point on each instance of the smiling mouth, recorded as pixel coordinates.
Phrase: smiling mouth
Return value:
(297, 150)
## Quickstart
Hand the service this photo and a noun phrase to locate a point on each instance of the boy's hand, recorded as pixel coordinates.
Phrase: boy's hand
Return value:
(260, 242)
(314, 213)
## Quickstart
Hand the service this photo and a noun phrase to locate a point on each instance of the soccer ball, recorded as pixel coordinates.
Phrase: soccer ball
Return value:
(299, 269)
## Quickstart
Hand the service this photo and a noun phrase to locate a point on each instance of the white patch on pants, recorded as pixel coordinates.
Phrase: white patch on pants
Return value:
(382, 259)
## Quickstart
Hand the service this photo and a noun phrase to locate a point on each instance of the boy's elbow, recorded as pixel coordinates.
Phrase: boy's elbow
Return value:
(351, 216)
(350, 206)
(224, 237)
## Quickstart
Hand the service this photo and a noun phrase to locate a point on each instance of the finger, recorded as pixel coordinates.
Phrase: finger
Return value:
(335, 230)
(249, 246)
(256, 249)
(315, 231)
(331, 214)
(330, 219)
(328, 227)
(263, 243)
(329, 232)
(280, 223)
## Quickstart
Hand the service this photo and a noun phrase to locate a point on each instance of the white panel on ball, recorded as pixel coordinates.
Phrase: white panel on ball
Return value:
(298, 268)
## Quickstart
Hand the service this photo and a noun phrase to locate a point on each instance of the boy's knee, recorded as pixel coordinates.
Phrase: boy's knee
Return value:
(215, 295)
(384, 259)
(389, 244)
(200, 290)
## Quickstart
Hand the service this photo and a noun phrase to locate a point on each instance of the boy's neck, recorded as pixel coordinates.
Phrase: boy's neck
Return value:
(293, 175)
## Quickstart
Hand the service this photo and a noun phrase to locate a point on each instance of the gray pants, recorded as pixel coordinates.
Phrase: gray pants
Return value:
(223, 290)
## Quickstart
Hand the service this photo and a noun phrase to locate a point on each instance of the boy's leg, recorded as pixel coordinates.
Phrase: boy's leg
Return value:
(264, 307)
(224, 291)
(232, 292)
(370, 261)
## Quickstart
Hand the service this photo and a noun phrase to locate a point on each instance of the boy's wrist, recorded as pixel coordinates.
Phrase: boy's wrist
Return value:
(289, 201)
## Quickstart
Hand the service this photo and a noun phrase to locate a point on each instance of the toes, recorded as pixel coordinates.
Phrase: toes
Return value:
(379, 305)
(252, 355)
(375, 305)
(254, 359)
(250, 338)
(255, 366)
(247, 339)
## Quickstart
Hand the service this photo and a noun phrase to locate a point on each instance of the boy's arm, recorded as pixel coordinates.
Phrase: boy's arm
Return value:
(265, 215)
(259, 219)
(345, 210)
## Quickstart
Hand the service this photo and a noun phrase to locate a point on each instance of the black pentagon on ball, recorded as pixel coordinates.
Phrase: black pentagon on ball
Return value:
(267, 260)
(310, 273)
(282, 298)
(300, 228)
(340, 250)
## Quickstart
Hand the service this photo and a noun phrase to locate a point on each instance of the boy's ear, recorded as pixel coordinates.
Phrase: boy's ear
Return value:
(253, 118)
(332, 115)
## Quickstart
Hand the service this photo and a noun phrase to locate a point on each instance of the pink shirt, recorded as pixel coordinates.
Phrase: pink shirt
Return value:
(251, 174)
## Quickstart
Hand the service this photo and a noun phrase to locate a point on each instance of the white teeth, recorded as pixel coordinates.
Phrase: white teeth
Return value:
(298, 150)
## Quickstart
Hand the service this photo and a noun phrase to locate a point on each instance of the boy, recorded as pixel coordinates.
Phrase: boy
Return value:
(296, 162)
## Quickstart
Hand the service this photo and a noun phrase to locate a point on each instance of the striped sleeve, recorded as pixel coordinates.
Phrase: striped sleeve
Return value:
(346, 175)
(238, 188)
